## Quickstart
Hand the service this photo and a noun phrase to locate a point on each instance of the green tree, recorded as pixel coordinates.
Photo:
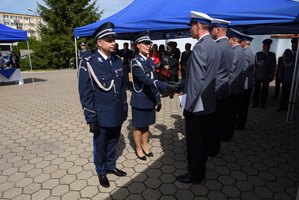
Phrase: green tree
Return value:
(57, 34)
(33, 43)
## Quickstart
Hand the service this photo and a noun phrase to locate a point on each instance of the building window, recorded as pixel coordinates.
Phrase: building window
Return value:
(13, 24)
(19, 17)
(26, 18)
(6, 16)
(6, 23)
(13, 17)
(20, 24)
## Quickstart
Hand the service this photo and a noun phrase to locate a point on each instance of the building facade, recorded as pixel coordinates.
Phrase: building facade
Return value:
(27, 23)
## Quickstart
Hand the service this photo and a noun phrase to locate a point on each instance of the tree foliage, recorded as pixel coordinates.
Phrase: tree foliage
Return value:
(57, 34)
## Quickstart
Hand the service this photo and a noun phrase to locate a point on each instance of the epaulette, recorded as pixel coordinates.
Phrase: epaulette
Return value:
(115, 55)
(89, 57)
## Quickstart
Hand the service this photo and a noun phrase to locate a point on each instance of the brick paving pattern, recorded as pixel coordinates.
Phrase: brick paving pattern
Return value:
(46, 151)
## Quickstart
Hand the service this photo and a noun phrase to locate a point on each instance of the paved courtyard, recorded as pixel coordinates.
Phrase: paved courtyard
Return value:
(46, 151)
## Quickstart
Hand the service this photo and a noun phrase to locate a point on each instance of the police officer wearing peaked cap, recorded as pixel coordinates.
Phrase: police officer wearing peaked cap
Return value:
(265, 64)
(145, 94)
(236, 83)
(82, 51)
(199, 86)
(103, 97)
(219, 32)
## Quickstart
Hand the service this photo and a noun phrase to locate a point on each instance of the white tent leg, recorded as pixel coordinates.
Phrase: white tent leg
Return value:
(76, 54)
(294, 90)
(30, 63)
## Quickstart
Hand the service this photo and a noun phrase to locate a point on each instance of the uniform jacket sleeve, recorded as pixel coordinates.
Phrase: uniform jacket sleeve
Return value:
(273, 66)
(196, 73)
(86, 93)
(142, 76)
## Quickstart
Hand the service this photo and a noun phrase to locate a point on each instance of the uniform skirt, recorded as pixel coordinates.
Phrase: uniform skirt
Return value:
(143, 117)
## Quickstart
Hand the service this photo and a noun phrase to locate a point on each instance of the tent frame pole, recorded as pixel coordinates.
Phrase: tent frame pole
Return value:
(30, 63)
(294, 90)
(76, 53)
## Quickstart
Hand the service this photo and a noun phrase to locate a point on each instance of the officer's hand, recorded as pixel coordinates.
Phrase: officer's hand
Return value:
(159, 106)
(173, 86)
(186, 113)
(126, 115)
(94, 127)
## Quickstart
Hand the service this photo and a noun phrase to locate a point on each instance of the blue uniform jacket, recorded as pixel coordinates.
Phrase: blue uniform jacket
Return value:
(144, 80)
(106, 107)
(236, 77)
(202, 68)
(265, 66)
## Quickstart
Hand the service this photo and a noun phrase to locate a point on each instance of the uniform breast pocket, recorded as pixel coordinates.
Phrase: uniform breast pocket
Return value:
(119, 74)
(104, 79)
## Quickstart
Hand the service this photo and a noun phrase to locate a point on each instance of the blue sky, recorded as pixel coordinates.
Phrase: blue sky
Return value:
(110, 7)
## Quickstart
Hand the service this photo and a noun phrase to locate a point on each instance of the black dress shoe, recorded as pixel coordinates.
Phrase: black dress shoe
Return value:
(150, 154)
(117, 172)
(274, 97)
(188, 178)
(103, 180)
(141, 158)
(263, 107)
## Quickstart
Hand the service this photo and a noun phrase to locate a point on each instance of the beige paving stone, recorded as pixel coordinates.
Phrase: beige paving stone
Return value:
(41, 194)
(89, 191)
(78, 185)
(73, 195)
(16, 176)
(67, 179)
(32, 188)
(50, 184)
(84, 175)
(58, 173)
(26, 168)
(6, 186)
(22, 197)
(60, 190)
(9, 194)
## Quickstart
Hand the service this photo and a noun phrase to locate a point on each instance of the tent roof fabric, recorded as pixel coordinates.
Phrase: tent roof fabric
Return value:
(166, 16)
(8, 34)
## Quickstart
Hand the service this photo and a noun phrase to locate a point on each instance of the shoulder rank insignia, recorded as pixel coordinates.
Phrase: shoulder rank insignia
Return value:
(100, 60)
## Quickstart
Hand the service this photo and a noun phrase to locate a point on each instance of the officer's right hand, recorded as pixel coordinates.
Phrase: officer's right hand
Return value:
(159, 106)
(173, 86)
(94, 127)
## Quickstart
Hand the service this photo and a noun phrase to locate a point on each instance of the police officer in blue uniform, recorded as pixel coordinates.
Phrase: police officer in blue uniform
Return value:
(219, 32)
(248, 72)
(288, 60)
(145, 94)
(265, 64)
(89, 50)
(199, 86)
(103, 97)
(82, 51)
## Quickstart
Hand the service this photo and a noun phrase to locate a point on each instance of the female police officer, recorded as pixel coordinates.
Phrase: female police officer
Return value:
(145, 94)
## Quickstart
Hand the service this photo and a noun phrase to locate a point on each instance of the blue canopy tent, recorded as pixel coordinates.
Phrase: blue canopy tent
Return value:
(163, 17)
(166, 19)
(10, 35)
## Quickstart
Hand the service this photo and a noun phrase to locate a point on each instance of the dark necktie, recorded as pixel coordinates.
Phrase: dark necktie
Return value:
(109, 61)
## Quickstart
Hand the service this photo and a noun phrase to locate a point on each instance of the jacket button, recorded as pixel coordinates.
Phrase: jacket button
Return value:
(98, 109)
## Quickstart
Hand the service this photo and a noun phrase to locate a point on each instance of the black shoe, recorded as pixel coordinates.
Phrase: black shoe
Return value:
(117, 172)
(141, 158)
(103, 180)
(150, 154)
(164, 95)
(188, 178)
(274, 97)
(253, 106)
(263, 107)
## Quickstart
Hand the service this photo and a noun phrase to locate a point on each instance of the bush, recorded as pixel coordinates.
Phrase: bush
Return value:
(25, 64)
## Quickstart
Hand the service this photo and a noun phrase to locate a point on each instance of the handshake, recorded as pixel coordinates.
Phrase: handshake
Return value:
(173, 86)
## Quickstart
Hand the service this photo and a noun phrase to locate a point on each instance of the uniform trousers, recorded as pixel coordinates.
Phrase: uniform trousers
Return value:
(277, 87)
(105, 142)
(257, 92)
(219, 123)
(242, 109)
(285, 95)
(230, 117)
(198, 137)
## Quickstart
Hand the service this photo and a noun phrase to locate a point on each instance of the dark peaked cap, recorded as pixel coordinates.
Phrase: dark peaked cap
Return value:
(294, 40)
(104, 31)
(267, 41)
(142, 37)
